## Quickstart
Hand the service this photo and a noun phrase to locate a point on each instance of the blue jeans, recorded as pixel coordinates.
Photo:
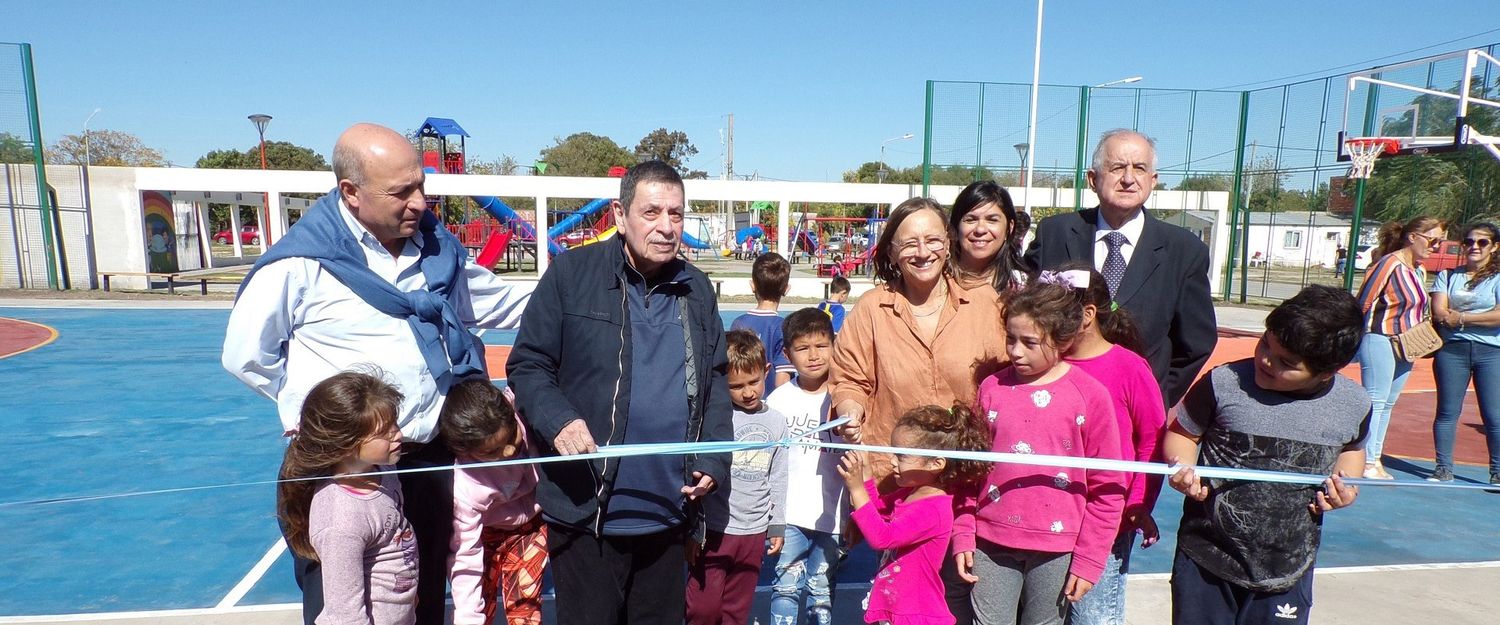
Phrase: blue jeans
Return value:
(808, 562)
(1105, 602)
(1383, 378)
(1454, 365)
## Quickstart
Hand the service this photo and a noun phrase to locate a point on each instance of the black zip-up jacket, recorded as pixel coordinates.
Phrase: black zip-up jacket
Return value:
(571, 360)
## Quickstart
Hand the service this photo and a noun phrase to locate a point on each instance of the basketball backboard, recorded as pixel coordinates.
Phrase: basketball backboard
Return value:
(1436, 104)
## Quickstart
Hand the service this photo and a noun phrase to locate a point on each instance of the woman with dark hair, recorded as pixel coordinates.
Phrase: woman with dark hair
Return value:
(986, 238)
(1466, 305)
(1394, 300)
(918, 339)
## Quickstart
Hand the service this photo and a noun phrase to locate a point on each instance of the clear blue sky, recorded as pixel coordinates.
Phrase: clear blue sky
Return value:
(814, 86)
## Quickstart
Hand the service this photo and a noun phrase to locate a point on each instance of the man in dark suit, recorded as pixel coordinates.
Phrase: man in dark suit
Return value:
(1155, 270)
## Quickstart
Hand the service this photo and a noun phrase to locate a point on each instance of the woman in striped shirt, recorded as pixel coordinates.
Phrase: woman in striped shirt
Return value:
(1394, 298)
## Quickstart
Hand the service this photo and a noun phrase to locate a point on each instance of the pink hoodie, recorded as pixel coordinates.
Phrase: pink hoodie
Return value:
(485, 497)
(1139, 412)
(1047, 509)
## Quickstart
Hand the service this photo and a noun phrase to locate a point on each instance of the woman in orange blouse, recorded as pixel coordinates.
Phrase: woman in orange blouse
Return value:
(920, 338)
(1394, 298)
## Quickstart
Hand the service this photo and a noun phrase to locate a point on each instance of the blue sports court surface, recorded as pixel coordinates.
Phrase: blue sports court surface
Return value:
(135, 400)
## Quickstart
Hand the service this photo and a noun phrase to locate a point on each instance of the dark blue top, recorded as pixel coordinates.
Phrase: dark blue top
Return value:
(767, 325)
(647, 495)
(835, 312)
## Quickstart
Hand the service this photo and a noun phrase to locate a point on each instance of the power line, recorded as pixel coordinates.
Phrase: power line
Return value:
(1358, 64)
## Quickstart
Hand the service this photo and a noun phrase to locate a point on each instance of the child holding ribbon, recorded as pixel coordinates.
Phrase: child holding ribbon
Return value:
(1034, 535)
(1245, 550)
(499, 544)
(914, 523)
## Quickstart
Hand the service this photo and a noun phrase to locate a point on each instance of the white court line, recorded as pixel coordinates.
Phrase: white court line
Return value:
(151, 614)
(1377, 568)
(253, 577)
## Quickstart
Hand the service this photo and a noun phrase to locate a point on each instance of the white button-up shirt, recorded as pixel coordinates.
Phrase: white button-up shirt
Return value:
(295, 325)
(1131, 229)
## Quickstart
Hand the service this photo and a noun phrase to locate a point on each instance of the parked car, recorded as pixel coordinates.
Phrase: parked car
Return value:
(1448, 255)
(835, 243)
(1362, 257)
(577, 237)
(249, 235)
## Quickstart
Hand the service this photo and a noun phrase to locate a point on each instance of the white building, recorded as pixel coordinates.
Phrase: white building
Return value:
(1297, 239)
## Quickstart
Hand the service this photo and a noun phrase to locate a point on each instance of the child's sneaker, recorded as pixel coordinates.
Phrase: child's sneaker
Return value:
(1443, 474)
(1377, 472)
(1494, 481)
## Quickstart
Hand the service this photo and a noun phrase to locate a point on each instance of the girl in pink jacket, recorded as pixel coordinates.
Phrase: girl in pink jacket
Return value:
(499, 545)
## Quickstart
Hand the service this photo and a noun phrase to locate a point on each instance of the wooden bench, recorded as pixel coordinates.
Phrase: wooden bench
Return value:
(173, 279)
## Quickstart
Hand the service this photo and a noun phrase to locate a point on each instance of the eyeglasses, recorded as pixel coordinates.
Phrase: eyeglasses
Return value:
(1432, 241)
(1479, 243)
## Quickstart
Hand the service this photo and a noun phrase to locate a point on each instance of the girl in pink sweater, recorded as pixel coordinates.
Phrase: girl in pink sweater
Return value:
(499, 544)
(913, 523)
(1108, 348)
(1033, 535)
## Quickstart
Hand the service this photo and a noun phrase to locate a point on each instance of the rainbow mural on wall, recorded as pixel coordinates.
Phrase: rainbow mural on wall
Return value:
(160, 231)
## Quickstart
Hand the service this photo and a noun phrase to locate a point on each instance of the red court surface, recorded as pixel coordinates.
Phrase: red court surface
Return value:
(494, 359)
(1410, 432)
(18, 336)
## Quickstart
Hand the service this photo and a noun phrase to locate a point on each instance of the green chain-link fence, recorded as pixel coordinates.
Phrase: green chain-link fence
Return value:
(29, 225)
(1267, 155)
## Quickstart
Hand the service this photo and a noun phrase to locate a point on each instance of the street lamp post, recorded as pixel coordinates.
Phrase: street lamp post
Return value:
(262, 120)
(1021, 150)
(880, 173)
(86, 156)
(1083, 130)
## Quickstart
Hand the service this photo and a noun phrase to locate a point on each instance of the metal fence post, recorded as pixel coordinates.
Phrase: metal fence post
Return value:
(42, 199)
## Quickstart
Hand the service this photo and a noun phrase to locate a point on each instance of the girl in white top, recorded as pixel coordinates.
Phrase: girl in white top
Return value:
(351, 523)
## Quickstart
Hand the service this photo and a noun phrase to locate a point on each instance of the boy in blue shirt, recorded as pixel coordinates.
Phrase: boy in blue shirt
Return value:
(768, 278)
(838, 293)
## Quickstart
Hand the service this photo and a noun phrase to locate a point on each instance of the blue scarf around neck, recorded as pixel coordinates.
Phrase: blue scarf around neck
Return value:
(322, 235)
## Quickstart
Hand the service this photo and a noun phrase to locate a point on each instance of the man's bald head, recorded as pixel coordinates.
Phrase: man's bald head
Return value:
(364, 141)
(381, 181)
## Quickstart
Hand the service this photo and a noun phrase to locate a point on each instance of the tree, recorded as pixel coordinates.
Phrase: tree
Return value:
(281, 155)
(585, 154)
(670, 147)
(1205, 182)
(105, 147)
(13, 149)
(505, 166)
(1404, 187)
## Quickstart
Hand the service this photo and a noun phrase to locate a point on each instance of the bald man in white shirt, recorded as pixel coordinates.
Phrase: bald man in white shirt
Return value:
(295, 324)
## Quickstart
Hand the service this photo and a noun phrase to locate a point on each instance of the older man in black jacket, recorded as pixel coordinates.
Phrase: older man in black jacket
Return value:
(622, 343)
(1155, 270)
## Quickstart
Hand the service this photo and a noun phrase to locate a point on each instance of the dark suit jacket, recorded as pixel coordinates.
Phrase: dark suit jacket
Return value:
(1165, 289)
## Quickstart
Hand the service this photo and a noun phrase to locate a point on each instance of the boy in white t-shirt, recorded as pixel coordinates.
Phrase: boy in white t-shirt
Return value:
(815, 492)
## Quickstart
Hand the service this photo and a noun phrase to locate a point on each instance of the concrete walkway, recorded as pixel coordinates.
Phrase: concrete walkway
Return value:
(1355, 596)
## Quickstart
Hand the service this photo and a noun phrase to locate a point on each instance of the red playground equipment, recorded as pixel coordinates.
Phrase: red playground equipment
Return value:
(839, 246)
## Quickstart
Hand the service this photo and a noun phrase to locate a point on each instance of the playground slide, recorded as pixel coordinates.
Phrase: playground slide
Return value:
(608, 232)
(693, 242)
(747, 232)
(572, 221)
(507, 216)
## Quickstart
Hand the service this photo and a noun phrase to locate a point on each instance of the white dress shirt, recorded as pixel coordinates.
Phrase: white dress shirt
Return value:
(295, 325)
(1131, 229)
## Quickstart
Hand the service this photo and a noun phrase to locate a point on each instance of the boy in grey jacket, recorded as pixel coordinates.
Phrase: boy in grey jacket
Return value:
(740, 515)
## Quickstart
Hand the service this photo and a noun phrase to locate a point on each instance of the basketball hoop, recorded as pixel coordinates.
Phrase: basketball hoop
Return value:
(1364, 151)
